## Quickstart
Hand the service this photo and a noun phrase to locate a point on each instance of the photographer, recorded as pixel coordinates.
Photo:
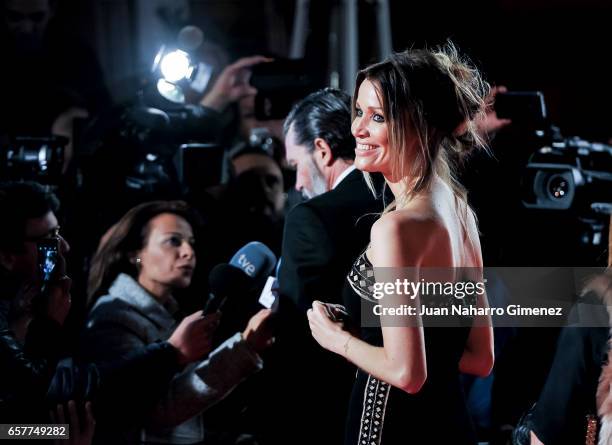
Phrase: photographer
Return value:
(231, 87)
(119, 174)
(30, 343)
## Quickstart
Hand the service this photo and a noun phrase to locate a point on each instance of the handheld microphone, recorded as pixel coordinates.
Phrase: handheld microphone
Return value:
(247, 270)
(224, 281)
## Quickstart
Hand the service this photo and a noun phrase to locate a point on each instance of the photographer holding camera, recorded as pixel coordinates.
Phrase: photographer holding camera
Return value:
(31, 339)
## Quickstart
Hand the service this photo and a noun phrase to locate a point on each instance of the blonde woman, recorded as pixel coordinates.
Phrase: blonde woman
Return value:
(413, 113)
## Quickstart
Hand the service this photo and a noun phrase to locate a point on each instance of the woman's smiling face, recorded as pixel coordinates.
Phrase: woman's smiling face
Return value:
(371, 132)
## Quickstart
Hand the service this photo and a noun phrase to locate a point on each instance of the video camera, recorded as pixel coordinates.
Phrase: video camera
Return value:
(39, 159)
(149, 150)
(571, 174)
(561, 173)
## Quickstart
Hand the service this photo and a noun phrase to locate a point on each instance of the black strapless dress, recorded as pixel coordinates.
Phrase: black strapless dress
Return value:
(381, 414)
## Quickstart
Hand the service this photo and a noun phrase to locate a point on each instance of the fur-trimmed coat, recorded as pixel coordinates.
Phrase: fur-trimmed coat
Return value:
(604, 402)
(129, 318)
(602, 285)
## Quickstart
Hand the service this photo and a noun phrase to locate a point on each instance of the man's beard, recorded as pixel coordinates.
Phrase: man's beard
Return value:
(317, 181)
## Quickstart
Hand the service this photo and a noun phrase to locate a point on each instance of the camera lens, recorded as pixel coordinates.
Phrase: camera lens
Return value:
(558, 187)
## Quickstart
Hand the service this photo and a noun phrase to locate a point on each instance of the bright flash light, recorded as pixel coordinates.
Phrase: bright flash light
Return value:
(175, 66)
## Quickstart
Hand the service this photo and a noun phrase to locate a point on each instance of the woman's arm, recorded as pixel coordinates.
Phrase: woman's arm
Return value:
(383, 363)
(202, 385)
(115, 333)
(396, 243)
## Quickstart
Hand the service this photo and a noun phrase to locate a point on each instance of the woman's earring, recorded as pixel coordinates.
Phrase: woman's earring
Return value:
(138, 261)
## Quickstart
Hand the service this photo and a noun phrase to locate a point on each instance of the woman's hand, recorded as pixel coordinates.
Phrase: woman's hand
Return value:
(193, 337)
(258, 333)
(329, 334)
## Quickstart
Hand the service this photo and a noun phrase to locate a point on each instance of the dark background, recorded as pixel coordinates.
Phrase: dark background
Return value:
(558, 47)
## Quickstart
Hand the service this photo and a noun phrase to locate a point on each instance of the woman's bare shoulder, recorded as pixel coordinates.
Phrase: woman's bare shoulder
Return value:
(402, 237)
(422, 218)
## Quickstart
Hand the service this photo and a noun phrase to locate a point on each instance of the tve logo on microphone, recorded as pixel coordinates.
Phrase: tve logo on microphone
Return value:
(255, 259)
(246, 265)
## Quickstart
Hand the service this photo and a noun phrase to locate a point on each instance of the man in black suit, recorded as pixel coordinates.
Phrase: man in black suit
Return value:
(325, 234)
(322, 238)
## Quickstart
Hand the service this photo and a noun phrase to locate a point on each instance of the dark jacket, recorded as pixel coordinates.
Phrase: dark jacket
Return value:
(322, 239)
(32, 380)
(25, 373)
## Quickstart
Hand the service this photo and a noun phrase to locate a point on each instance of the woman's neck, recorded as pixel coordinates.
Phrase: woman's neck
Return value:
(400, 189)
(159, 291)
(396, 187)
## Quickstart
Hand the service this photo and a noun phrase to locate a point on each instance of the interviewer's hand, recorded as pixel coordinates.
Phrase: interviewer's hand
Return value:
(258, 333)
(193, 336)
(232, 84)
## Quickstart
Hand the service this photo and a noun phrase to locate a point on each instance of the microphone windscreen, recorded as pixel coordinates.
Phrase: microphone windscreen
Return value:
(227, 280)
(190, 38)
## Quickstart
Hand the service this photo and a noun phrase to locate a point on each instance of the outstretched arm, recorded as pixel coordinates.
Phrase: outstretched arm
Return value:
(232, 84)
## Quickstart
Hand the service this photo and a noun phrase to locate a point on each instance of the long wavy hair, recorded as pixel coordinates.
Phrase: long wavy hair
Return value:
(434, 95)
(119, 245)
